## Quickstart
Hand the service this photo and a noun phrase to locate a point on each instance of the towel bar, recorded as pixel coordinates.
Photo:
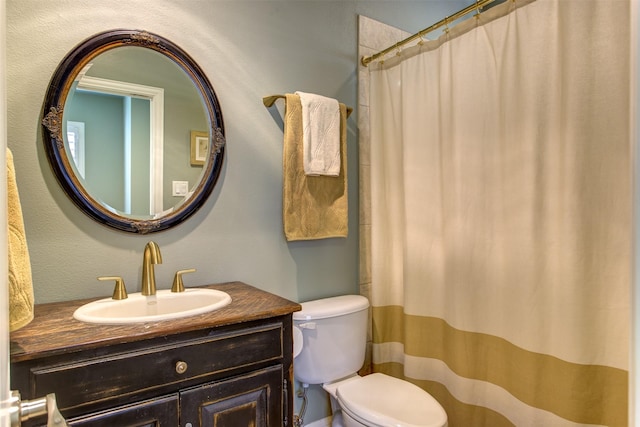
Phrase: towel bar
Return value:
(269, 100)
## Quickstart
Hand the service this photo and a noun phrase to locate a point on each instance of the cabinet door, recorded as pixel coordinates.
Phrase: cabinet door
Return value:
(251, 400)
(161, 412)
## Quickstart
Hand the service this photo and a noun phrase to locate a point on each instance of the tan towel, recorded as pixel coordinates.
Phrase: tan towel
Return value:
(20, 282)
(313, 207)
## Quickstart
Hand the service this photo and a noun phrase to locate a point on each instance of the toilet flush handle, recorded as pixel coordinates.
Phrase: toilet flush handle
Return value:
(307, 325)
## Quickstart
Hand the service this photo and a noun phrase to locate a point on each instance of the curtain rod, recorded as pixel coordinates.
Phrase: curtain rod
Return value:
(442, 23)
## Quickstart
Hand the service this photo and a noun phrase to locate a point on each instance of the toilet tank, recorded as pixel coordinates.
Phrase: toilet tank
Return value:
(334, 338)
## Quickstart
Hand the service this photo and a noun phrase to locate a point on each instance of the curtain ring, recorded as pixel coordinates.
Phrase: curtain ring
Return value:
(477, 15)
(421, 41)
(446, 25)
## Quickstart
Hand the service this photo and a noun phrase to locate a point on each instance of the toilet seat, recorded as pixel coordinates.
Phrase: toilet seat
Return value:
(379, 400)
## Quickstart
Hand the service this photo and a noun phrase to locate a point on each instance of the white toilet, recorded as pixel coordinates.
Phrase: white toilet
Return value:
(329, 349)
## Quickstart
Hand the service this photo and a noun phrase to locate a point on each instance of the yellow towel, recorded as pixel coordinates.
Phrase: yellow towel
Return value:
(20, 282)
(313, 207)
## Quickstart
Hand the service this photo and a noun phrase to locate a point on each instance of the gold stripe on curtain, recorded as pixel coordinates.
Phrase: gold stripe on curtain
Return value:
(589, 394)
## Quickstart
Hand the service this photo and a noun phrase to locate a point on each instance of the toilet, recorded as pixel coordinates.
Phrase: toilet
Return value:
(329, 349)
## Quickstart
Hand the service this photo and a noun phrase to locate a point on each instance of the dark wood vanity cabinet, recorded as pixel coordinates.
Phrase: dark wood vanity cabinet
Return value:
(242, 401)
(163, 411)
(223, 369)
(246, 400)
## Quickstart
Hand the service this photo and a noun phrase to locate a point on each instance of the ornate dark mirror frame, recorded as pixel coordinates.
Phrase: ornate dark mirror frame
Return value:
(52, 122)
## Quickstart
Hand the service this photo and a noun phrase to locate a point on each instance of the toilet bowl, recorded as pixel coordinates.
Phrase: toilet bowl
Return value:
(333, 335)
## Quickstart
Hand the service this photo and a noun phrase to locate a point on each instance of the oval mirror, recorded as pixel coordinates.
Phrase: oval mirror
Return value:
(133, 131)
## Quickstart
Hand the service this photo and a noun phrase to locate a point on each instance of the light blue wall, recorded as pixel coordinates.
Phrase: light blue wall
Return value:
(103, 118)
(183, 112)
(248, 49)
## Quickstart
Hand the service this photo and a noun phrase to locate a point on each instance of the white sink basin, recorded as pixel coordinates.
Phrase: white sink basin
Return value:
(165, 305)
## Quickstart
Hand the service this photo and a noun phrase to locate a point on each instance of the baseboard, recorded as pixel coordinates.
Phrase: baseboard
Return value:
(325, 422)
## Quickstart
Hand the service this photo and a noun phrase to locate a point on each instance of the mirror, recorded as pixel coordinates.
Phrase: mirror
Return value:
(133, 131)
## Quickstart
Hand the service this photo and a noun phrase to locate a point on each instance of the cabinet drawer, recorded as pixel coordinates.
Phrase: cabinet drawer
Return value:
(84, 382)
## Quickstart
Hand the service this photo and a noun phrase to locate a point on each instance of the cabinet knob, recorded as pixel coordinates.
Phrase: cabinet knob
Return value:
(181, 367)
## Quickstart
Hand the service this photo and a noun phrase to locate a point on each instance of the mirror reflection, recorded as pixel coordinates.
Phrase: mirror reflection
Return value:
(135, 131)
(128, 123)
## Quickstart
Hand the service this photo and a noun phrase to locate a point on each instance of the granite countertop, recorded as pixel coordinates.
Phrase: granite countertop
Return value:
(55, 331)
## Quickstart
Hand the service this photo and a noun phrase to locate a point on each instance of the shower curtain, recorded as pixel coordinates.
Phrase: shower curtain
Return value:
(501, 215)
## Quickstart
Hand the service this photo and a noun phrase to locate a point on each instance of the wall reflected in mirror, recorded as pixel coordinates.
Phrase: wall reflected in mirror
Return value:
(129, 121)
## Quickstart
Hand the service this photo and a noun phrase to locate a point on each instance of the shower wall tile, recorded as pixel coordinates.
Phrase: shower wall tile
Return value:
(373, 36)
(363, 76)
(364, 129)
(377, 35)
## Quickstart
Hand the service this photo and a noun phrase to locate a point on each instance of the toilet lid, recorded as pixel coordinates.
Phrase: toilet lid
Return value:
(380, 400)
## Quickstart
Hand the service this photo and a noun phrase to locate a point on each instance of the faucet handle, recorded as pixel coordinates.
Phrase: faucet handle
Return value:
(178, 286)
(120, 291)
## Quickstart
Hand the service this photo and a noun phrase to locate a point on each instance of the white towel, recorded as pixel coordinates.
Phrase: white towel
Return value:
(321, 134)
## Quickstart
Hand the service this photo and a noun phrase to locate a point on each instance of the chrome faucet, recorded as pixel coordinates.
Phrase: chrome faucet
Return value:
(151, 256)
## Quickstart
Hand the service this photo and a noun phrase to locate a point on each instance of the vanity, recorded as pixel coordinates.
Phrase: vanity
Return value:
(231, 367)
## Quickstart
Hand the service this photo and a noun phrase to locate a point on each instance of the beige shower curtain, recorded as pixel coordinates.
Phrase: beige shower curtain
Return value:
(501, 215)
